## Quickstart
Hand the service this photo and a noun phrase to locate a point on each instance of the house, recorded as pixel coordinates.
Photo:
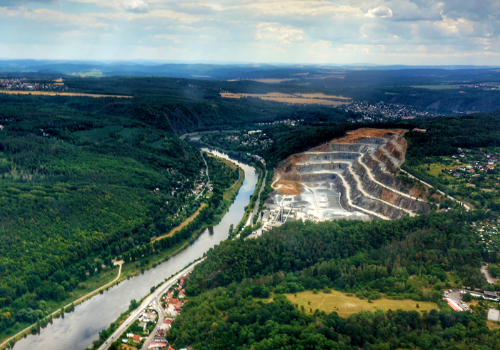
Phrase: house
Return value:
(490, 294)
(157, 345)
(493, 315)
(136, 338)
(491, 167)
(170, 311)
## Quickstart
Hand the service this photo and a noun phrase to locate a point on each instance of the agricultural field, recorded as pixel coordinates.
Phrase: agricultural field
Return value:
(345, 304)
(319, 99)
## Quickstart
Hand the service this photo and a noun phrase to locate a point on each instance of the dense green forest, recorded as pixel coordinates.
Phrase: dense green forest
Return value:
(183, 105)
(411, 258)
(80, 187)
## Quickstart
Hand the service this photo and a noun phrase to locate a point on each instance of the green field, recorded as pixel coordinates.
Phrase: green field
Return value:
(346, 305)
(436, 168)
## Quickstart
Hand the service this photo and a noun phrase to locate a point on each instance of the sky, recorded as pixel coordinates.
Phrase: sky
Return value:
(418, 32)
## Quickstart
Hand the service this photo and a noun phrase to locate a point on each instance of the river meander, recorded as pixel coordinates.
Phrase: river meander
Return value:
(80, 328)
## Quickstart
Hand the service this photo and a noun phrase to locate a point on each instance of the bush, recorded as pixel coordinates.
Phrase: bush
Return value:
(326, 290)
(315, 291)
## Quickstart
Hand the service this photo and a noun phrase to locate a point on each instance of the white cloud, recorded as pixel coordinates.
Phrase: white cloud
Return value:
(381, 12)
(277, 30)
(283, 35)
(138, 6)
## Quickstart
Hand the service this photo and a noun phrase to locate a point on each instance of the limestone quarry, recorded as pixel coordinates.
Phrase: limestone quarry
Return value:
(354, 177)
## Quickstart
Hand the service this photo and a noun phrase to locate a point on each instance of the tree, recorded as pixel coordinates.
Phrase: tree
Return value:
(467, 297)
(59, 293)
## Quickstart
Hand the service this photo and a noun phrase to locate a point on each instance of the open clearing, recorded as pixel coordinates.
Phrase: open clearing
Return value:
(287, 187)
(492, 325)
(287, 98)
(346, 305)
(52, 93)
(436, 169)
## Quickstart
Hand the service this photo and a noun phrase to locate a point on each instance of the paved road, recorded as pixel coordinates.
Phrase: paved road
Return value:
(257, 202)
(161, 317)
(77, 301)
(486, 274)
(152, 299)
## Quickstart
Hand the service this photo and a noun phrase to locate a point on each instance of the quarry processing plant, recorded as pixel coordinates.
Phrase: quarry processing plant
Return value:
(354, 177)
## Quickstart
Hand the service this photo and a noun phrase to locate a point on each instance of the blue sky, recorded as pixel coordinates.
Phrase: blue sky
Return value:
(423, 32)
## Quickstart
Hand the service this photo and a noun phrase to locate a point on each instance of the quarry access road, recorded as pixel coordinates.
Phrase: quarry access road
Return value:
(369, 172)
(396, 163)
(441, 192)
(348, 197)
(371, 177)
(360, 186)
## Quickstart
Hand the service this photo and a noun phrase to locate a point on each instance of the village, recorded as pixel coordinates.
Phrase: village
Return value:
(487, 235)
(22, 84)
(150, 329)
(382, 111)
(479, 161)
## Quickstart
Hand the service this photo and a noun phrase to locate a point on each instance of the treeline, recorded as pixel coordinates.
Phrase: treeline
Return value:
(445, 134)
(413, 258)
(351, 256)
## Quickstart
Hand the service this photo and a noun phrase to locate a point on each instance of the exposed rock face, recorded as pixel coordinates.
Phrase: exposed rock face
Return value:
(356, 173)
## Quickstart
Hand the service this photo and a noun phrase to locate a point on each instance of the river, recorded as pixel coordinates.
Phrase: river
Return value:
(81, 327)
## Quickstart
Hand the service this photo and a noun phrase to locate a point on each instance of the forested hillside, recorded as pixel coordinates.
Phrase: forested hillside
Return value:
(413, 258)
(183, 105)
(79, 187)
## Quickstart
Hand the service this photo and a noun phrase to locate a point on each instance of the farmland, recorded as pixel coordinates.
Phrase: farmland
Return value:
(318, 99)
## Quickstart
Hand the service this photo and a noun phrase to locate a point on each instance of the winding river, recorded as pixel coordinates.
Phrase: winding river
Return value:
(81, 327)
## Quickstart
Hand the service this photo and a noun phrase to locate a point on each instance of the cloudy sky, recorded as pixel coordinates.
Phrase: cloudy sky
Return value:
(291, 31)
